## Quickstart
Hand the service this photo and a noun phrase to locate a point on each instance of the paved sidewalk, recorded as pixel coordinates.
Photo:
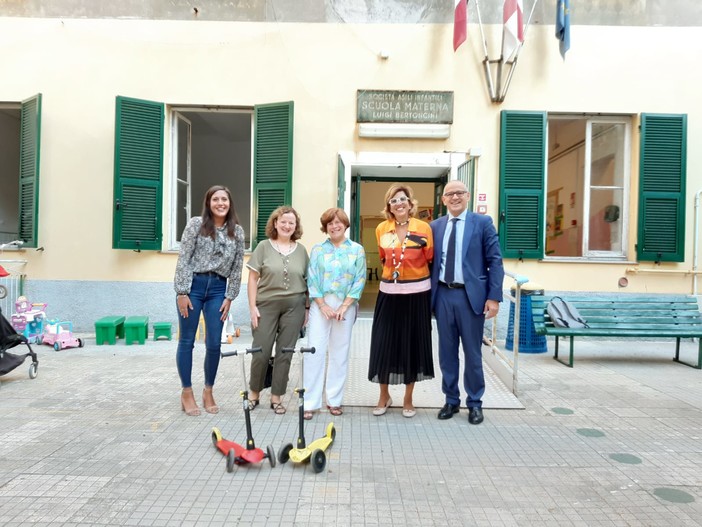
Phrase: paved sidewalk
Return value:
(98, 438)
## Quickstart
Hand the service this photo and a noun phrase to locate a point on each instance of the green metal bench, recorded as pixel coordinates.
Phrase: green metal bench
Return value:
(626, 315)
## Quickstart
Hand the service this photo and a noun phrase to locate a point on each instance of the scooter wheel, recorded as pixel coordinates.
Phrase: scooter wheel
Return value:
(284, 454)
(80, 343)
(271, 455)
(230, 460)
(318, 460)
(57, 346)
(216, 436)
(33, 370)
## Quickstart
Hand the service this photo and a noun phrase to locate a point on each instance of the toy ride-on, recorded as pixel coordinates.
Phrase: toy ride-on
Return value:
(314, 452)
(236, 453)
(59, 335)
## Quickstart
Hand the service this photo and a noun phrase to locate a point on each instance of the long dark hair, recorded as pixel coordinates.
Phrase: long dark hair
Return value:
(232, 220)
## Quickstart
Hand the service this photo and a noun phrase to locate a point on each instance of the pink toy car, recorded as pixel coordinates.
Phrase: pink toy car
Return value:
(60, 335)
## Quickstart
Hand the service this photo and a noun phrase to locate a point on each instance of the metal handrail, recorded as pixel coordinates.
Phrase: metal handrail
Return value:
(513, 361)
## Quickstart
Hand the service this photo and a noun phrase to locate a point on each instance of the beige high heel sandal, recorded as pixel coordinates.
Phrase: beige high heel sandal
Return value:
(187, 396)
(208, 401)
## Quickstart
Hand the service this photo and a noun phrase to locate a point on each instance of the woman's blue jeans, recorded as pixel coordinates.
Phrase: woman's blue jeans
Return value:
(206, 296)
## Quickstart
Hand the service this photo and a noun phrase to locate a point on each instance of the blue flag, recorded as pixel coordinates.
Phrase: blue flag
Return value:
(563, 25)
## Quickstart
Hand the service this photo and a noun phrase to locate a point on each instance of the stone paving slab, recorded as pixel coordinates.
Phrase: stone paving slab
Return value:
(98, 438)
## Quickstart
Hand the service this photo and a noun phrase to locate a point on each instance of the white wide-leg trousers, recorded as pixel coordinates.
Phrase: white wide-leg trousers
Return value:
(332, 338)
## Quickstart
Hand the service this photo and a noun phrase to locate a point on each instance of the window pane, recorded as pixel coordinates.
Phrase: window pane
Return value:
(182, 215)
(605, 220)
(565, 197)
(606, 187)
(182, 176)
(607, 154)
(9, 173)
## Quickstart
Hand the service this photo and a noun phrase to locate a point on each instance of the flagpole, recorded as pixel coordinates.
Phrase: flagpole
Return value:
(501, 96)
(486, 60)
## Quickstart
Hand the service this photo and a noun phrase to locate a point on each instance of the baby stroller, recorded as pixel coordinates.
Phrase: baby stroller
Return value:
(9, 338)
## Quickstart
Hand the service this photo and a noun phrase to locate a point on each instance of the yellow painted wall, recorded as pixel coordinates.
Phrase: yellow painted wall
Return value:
(80, 66)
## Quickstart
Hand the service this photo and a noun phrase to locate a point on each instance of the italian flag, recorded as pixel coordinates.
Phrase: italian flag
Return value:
(460, 23)
(513, 32)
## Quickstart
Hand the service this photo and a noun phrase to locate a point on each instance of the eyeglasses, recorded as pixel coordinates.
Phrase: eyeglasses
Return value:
(399, 199)
(459, 193)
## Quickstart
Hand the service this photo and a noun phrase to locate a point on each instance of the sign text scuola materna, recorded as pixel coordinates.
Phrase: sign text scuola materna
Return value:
(387, 106)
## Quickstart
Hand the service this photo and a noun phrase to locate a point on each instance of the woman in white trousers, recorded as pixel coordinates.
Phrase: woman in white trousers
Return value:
(335, 280)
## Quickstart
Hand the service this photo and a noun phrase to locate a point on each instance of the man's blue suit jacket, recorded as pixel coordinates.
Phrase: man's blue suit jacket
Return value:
(483, 271)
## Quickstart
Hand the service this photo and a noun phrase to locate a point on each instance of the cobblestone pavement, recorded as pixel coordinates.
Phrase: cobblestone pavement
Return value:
(98, 438)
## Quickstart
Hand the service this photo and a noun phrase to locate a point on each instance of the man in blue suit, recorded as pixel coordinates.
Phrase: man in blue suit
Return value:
(466, 289)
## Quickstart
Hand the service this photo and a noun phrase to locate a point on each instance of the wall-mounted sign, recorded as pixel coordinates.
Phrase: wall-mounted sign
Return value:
(482, 209)
(387, 106)
(482, 196)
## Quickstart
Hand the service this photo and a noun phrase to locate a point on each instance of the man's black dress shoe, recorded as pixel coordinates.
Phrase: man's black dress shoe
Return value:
(448, 410)
(475, 416)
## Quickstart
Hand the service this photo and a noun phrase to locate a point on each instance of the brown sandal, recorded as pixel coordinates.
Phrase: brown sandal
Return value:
(335, 410)
(278, 408)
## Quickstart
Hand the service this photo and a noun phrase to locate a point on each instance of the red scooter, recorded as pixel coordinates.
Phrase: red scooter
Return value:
(236, 453)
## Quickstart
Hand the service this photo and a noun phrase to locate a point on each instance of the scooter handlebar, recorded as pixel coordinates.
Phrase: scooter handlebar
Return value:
(237, 352)
(301, 350)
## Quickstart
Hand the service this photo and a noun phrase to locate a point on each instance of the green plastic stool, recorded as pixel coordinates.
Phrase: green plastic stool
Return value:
(107, 329)
(162, 329)
(136, 329)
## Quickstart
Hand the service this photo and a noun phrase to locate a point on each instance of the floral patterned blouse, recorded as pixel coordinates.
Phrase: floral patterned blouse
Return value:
(339, 271)
(202, 254)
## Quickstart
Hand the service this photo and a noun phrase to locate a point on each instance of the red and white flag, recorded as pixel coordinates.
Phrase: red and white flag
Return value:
(460, 23)
(513, 31)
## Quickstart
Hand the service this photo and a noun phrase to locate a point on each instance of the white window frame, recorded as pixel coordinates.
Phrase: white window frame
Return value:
(173, 177)
(626, 183)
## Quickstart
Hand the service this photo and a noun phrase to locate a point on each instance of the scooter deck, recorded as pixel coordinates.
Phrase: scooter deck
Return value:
(300, 455)
(241, 454)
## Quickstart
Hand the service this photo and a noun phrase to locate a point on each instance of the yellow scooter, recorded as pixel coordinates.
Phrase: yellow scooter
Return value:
(314, 452)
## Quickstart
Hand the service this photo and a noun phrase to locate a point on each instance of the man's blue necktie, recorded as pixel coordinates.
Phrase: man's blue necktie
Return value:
(450, 269)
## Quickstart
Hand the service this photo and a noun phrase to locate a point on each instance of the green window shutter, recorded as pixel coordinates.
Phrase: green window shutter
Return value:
(522, 170)
(138, 179)
(30, 139)
(662, 174)
(273, 149)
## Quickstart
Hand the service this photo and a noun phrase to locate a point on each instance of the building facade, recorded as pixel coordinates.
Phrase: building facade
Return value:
(115, 119)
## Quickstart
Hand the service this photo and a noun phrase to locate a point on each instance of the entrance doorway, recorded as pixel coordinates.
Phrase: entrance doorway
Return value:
(365, 177)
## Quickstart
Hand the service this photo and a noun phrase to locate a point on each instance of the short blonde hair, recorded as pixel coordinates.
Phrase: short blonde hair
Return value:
(272, 232)
(394, 189)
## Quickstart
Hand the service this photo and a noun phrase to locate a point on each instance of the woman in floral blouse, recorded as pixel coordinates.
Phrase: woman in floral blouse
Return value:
(207, 279)
(335, 278)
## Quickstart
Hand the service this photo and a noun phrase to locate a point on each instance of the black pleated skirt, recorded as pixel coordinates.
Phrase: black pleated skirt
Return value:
(400, 350)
